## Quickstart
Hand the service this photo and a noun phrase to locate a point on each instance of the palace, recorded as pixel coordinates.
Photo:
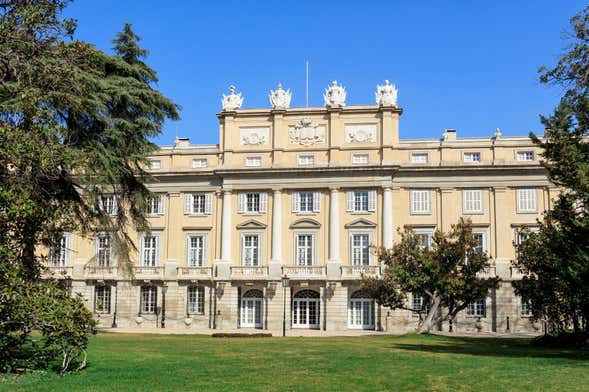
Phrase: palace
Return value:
(276, 221)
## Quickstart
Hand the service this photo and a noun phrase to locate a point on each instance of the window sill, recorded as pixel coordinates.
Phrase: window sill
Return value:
(305, 213)
(362, 212)
(527, 212)
(421, 213)
(252, 213)
(473, 213)
(199, 214)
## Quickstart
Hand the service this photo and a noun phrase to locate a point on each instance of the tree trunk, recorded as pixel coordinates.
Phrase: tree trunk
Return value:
(430, 319)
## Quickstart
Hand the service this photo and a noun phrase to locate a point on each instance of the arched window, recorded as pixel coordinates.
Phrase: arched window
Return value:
(361, 310)
(360, 294)
(254, 293)
(307, 294)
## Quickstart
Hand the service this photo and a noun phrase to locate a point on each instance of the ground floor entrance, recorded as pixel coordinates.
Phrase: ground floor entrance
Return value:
(306, 309)
(251, 309)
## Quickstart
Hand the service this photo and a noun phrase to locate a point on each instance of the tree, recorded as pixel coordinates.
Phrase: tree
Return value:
(448, 275)
(75, 123)
(555, 260)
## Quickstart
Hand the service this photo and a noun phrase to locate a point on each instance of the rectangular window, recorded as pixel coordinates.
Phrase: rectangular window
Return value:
(477, 309)
(102, 299)
(253, 161)
(148, 299)
(252, 202)
(58, 252)
(250, 252)
(155, 165)
(527, 200)
(425, 237)
(198, 203)
(419, 303)
(472, 201)
(525, 308)
(361, 201)
(359, 159)
(305, 201)
(150, 250)
(472, 157)
(306, 159)
(480, 238)
(421, 157)
(196, 250)
(525, 155)
(199, 163)
(107, 204)
(421, 202)
(304, 249)
(196, 300)
(360, 249)
(104, 250)
(155, 205)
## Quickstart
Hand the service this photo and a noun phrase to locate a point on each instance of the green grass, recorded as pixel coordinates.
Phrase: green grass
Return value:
(200, 363)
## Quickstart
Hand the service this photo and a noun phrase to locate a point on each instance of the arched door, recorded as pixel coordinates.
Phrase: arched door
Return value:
(305, 309)
(251, 309)
(361, 311)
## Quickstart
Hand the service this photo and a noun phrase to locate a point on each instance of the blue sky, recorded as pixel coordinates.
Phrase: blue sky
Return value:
(469, 65)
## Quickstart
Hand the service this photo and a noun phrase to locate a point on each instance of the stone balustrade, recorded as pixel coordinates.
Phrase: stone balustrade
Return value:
(249, 272)
(357, 271)
(307, 271)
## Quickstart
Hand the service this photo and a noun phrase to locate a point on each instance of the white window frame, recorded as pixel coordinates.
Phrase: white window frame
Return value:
(424, 201)
(306, 159)
(198, 203)
(156, 253)
(425, 231)
(528, 206)
(203, 252)
(106, 304)
(247, 207)
(484, 235)
(195, 300)
(199, 163)
(310, 208)
(108, 204)
(417, 299)
(353, 260)
(525, 308)
(156, 201)
(525, 155)
(154, 164)
(360, 159)
(255, 161)
(472, 201)
(471, 157)
(253, 263)
(148, 299)
(477, 308)
(99, 252)
(354, 205)
(416, 157)
(64, 251)
(312, 245)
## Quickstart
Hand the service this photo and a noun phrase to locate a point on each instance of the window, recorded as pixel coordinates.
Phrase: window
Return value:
(481, 239)
(477, 309)
(155, 205)
(196, 300)
(361, 201)
(305, 201)
(361, 311)
(527, 200)
(58, 253)
(421, 202)
(150, 245)
(421, 157)
(199, 163)
(306, 159)
(470, 157)
(253, 161)
(419, 303)
(250, 253)
(359, 159)
(155, 165)
(425, 237)
(148, 299)
(360, 248)
(104, 250)
(102, 299)
(252, 202)
(196, 250)
(525, 155)
(107, 204)
(304, 249)
(472, 201)
(526, 308)
(198, 204)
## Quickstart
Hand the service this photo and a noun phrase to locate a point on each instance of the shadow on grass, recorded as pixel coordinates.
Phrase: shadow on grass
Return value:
(511, 348)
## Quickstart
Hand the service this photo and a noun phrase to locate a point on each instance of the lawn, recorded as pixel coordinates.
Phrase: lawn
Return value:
(200, 363)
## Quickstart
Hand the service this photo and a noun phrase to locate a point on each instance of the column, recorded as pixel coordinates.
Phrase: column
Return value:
(226, 227)
(334, 234)
(277, 226)
(387, 218)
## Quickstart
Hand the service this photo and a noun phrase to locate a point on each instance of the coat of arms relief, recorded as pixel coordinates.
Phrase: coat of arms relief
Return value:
(254, 136)
(306, 133)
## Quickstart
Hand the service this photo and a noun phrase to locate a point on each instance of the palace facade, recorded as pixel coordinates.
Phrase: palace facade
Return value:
(299, 195)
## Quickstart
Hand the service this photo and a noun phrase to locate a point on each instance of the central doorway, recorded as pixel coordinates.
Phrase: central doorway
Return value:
(305, 309)
(251, 309)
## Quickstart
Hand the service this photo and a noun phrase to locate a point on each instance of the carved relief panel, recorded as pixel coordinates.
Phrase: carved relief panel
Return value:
(306, 133)
(360, 133)
(254, 136)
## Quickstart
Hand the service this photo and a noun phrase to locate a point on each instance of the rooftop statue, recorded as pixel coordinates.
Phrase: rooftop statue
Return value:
(335, 95)
(232, 101)
(280, 99)
(386, 94)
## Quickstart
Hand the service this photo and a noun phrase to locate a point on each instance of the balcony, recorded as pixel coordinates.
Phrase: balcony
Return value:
(148, 273)
(487, 273)
(58, 272)
(249, 272)
(195, 273)
(100, 272)
(357, 271)
(305, 272)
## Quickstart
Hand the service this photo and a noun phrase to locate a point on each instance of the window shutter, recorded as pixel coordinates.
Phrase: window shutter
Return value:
(263, 201)
(316, 201)
(296, 202)
(241, 199)
(160, 208)
(188, 201)
(372, 200)
(158, 250)
(114, 205)
(350, 201)
(208, 203)
(111, 243)
(142, 255)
